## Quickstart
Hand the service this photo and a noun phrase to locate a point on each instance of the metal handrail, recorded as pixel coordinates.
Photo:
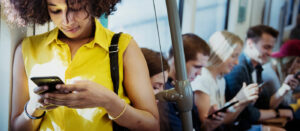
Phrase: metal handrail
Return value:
(182, 94)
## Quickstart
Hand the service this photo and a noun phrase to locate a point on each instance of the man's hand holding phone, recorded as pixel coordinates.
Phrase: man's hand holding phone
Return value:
(247, 94)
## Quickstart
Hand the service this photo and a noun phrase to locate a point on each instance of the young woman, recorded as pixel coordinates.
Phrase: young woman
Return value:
(209, 87)
(279, 74)
(158, 71)
(77, 51)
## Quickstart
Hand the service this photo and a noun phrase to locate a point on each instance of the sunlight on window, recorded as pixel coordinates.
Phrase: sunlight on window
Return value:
(138, 19)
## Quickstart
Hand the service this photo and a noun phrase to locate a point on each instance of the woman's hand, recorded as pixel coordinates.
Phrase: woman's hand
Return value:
(247, 94)
(291, 81)
(215, 121)
(83, 94)
(36, 102)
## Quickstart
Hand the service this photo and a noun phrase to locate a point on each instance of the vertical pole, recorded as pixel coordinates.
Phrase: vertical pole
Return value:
(182, 84)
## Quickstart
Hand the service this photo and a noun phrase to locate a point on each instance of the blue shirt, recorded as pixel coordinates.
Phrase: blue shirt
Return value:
(173, 114)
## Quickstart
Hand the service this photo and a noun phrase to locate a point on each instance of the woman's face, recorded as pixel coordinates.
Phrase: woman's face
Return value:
(233, 60)
(74, 23)
(158, 81)
(295, 65)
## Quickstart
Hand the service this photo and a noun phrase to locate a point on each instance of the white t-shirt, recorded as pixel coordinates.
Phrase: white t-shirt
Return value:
(214, 88)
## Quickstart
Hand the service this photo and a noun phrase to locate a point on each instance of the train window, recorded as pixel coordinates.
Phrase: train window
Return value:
(289, 18)
(210, 17)
(138, 19)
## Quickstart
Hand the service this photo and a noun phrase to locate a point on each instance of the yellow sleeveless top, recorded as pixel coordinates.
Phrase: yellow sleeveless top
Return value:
(46, 55)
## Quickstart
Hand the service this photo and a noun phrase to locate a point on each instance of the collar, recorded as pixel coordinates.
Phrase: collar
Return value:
(248, 62)
(52, 35)
(100, 37)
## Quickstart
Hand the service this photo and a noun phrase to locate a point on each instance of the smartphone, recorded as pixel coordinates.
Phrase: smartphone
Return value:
(261, 85)
(50, 81)
(296, 75)
(223, 109)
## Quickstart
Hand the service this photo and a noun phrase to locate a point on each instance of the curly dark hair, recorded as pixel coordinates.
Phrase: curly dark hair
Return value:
(24, 12)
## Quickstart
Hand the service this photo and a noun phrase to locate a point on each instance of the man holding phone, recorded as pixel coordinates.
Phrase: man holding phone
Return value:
(259, 44)
(196, 52)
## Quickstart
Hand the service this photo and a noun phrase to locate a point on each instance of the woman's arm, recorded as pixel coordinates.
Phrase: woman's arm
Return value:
(143, 115)
(20, 95)
(202, 103)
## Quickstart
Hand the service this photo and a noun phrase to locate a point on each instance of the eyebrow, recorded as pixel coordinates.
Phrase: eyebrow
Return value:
(51, 4)
(198, 66)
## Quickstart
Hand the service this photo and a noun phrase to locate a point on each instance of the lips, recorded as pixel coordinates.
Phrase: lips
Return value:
(71, 30)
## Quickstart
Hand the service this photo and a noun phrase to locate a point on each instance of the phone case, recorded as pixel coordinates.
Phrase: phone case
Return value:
(50, 81)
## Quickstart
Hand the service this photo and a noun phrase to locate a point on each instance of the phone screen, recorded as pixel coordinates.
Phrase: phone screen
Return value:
(223, 109)
(296, 76)
(50, 81)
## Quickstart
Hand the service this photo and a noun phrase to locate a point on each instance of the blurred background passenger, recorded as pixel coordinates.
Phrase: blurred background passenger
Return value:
(158, 69)
(259, 43)
(196, 52)
(209, 87)
(281, 76)
(279, 73)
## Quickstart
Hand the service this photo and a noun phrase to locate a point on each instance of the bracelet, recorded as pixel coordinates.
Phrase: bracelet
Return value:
(33, 117)
(124, 109)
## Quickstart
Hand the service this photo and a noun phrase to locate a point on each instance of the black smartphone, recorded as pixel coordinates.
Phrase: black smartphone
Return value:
(50, 81)
(296, 76)
(261, 85)
(223, 109)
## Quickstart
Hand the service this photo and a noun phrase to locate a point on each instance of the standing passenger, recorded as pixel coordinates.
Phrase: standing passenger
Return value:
(77, 51)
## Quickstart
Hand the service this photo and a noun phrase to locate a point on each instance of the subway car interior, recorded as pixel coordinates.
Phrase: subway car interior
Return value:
(166, 65)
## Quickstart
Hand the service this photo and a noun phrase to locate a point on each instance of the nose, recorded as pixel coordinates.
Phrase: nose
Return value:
(269, 52)
(68, 18)
(198, 72)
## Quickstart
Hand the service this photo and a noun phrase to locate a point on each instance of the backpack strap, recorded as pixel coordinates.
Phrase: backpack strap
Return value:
(114, 61)
(114, 70)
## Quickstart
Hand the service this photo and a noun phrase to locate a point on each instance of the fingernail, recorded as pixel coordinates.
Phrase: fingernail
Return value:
(46, 101)
(58, 86)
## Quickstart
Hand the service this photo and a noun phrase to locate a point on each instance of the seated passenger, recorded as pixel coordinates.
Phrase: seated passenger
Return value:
(158, 71)
(158, 75)
(279, 73)
(196, 53)
(259, 44)
(281, 83)
(209, 87)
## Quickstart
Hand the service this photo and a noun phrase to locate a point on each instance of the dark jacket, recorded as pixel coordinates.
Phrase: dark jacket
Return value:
(234, 82)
